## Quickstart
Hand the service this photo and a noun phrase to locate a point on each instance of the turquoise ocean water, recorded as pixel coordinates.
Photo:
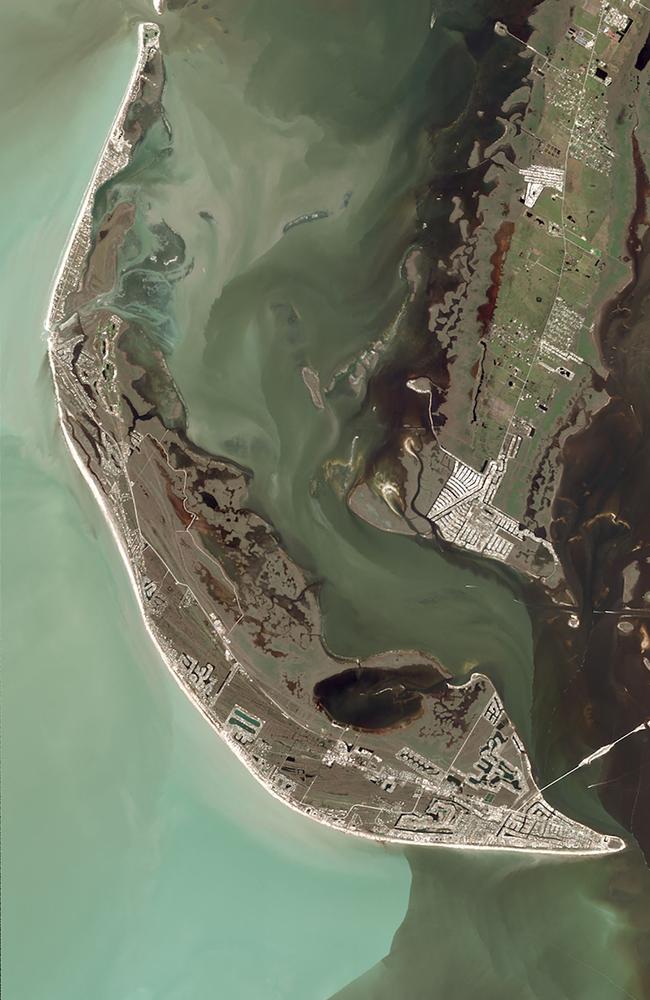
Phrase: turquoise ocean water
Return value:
(140, 861)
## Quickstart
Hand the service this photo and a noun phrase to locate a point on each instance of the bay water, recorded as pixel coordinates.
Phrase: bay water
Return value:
(140, 860)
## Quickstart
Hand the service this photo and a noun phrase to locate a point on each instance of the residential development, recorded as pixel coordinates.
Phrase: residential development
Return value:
(235, 617)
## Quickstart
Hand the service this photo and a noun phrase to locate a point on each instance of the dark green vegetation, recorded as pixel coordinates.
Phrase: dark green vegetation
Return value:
(329, 296)
(373, 699)
(277, 311)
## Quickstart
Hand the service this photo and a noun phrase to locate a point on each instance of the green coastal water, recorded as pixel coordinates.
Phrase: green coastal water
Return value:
(140, 861)
(242, 306)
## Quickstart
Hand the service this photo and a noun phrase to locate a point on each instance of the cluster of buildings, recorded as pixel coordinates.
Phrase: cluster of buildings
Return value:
(464, 513)
(114, 157)
(476, 788)
(537, 178)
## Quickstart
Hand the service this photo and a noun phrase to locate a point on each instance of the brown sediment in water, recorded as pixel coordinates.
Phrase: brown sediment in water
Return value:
(601, 528)
(502, 240)
(423, 349)
(640, 213)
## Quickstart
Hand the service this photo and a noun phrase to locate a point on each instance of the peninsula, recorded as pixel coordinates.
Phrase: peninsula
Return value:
(386, 748)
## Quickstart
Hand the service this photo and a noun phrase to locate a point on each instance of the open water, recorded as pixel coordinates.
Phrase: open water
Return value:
(140, 861)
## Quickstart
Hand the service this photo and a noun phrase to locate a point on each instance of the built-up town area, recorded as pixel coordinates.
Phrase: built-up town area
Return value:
(459, 776)
(497, 472)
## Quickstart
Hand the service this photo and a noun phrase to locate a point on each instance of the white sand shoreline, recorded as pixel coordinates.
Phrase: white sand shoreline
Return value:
(55, 303)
